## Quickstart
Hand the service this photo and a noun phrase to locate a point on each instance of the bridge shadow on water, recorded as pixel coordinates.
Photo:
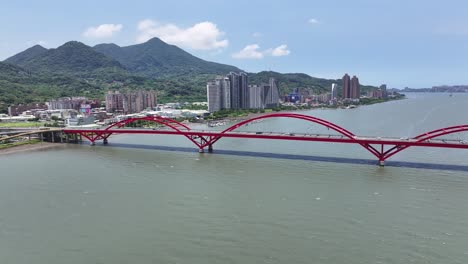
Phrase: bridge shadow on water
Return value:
(401, 164)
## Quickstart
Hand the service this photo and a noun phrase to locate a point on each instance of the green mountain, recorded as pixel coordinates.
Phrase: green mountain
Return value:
(24, 57)
(157, 59)
(77, 69)
(72, 58)
(18, 85)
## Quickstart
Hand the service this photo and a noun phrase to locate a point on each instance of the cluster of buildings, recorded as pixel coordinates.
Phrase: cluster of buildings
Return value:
(380, 93)
(234, 92)
(131, 102)
(351, 87)
(225, 92)
(73, 110)
(350, 93)
(81, 111)
(81, 104)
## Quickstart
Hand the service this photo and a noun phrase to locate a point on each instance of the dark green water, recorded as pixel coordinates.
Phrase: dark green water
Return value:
(127, 203)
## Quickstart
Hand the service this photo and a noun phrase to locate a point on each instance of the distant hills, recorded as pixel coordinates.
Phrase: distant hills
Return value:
(18, 85)
(152, 59)
(155, 58)
(39, 74)
(24, 57)
(440, 89)
(73, 58)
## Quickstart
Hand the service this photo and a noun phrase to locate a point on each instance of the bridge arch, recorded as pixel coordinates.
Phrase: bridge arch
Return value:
(171, 123)
(156, 119)
(425, 137)
(312, 119)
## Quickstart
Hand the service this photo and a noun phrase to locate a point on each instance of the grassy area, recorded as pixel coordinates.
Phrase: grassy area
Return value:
(19, 143)
(21, 124)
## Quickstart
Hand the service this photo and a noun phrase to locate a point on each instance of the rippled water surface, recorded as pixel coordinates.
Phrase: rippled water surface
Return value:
(155, 199)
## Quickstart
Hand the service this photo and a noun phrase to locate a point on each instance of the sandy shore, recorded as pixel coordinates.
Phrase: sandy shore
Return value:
(31, 147)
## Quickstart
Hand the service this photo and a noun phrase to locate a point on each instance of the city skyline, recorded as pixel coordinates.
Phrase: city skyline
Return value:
(386, 42)
(234, 92)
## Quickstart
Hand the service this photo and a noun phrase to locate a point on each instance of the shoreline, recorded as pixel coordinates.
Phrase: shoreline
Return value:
(30, 147)
(253, 115)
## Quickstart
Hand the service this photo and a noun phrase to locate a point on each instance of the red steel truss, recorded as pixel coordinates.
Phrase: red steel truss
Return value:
(382, 148)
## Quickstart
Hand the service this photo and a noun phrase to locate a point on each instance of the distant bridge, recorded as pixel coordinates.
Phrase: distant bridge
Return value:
(17, 133)
(381, 147)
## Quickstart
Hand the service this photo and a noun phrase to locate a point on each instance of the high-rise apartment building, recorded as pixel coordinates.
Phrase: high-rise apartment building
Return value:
(256, 95)
(355, 88)
(334, 91)
(213, 92)
(272, 96)
(233, 92)
(346, 87)
(244, 91)
(239, 90)
(383, 88)
(219, 94)
(114, 101)
(130, 102)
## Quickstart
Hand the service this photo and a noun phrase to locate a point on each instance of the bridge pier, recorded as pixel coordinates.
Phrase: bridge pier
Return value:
(210, 148)
(381, 163)
(105, 141)
(201, 150)
(93, 143)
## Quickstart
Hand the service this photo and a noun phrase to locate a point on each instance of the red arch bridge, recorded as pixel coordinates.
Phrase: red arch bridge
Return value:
(381, 147)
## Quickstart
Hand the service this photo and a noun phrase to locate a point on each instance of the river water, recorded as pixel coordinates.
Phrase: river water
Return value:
(155, 199)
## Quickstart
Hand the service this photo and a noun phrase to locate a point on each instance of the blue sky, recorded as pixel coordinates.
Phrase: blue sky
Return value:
(401, 43)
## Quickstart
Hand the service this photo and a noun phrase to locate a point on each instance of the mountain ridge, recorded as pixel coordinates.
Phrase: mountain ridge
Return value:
(20, 59)
(155, 58)
(72, 57)
(77, 69)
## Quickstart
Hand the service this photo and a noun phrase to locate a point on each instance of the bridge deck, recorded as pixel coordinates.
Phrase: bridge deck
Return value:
(30, 132)
(446, 143)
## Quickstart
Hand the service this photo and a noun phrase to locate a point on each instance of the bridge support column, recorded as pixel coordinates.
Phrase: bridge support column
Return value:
(53, 137)
(105, 141)
(201, 150)
(210, 148)
(381, 163)
(67, 138)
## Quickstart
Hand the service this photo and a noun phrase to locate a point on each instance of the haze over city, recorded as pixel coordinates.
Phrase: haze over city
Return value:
(400, 43)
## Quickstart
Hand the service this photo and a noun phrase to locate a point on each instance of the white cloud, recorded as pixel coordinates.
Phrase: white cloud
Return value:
(102, 31)
(201, 36)
(314, 21)
(253, 51)
(281, 50)
(42, 43)
(249, 52)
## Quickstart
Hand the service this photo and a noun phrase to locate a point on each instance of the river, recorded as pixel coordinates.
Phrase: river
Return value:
(155, 199)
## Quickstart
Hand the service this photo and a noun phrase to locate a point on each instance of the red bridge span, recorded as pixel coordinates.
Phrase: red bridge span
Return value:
(381, 147)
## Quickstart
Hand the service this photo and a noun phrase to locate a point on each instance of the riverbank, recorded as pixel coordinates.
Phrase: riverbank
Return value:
(245, 114)
(30, 147)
